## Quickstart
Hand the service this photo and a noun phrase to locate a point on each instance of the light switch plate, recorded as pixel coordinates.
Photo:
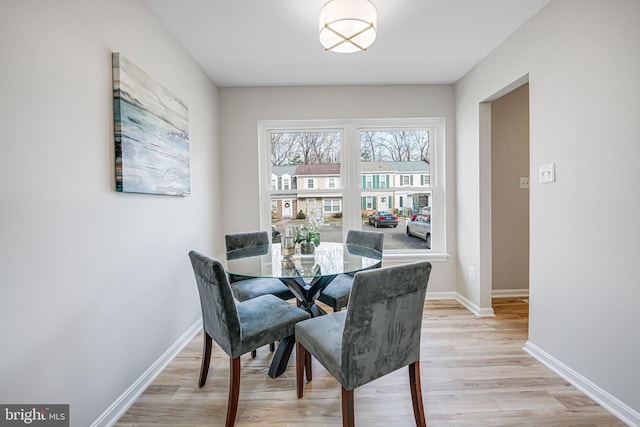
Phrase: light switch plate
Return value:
(547, 173)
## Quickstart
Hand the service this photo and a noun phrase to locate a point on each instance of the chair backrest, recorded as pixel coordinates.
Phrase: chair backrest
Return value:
(383, 321)
(246, 240)
(219, 314)
(370, 239)
(247, 244)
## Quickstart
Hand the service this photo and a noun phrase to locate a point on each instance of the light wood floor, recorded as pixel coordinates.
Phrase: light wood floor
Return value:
(474, 373)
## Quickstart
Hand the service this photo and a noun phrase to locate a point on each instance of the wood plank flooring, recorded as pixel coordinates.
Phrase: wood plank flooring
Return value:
(474, 373)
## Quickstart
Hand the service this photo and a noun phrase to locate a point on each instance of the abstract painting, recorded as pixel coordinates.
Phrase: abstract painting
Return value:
(151, 129)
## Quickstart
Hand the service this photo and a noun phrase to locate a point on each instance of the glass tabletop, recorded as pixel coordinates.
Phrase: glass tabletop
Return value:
(328, 259)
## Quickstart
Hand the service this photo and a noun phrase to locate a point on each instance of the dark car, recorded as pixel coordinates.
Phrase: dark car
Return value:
(379, 218)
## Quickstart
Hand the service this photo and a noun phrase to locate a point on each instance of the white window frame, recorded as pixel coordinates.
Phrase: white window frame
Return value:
(334, 202)
(368, 202)
(350, 188)
(368, 181)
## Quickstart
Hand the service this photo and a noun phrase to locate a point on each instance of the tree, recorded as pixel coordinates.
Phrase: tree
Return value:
(316, 148)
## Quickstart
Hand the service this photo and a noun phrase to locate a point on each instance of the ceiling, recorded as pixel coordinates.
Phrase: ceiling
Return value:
(275, 42)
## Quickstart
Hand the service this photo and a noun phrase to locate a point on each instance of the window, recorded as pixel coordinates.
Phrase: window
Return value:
(406, 180)
(369, 203)
(345, 170)
(285, 184)
(368, 181)
(332, 205)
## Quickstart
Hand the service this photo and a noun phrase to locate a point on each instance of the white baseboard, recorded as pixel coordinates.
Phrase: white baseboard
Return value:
(602, 397)
(510, 293)
(128, 398)
(441, 295)
(472, 307)
(450, 295)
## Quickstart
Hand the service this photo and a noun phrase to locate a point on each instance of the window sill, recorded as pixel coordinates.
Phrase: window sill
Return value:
(404, 257)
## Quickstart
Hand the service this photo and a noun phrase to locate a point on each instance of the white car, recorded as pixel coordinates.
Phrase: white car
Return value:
(420, 226)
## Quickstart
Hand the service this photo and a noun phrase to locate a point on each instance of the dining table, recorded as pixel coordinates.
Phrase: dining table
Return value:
(306, 275)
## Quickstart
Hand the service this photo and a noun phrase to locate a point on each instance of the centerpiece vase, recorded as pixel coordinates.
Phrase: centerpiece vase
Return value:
(307, 248)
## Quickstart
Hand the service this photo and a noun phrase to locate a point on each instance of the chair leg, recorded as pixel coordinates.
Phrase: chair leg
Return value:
(347, 408)
(234, 392)
(272, 347)
(416, 394)
(301, 355)
(206, 358)
(307, 366)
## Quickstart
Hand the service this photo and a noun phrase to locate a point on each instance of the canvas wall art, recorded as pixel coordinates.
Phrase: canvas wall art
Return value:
(151, 130)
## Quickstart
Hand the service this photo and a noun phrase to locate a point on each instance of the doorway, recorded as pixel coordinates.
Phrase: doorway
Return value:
(510, 194)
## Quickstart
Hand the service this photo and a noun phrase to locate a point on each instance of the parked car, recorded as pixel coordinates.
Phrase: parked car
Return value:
(379, 218)
(420, 226)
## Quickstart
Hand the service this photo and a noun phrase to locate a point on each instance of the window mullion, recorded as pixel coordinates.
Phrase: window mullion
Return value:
(350, 171)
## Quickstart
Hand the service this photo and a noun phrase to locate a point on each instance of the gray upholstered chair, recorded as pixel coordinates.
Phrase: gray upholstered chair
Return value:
(247, 288)
(237, 327)
(377, 334)
(336, 294)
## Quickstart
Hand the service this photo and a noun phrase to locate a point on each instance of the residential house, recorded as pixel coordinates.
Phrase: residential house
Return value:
(318, 187)
(284, 181)
(314, 188)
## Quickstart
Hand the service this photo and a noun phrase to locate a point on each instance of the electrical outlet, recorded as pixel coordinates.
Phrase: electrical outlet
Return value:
(547, 173)
(472, 273)
(524, 182)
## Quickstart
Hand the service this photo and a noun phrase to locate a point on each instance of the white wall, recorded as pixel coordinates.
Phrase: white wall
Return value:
(94, 285)
(582, 58)
(241, 108)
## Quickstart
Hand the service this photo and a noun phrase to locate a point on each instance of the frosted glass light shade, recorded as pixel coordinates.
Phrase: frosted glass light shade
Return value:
(348, 25)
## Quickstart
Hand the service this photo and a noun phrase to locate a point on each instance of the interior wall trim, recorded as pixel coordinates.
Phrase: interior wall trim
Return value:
(612, 404)
(118, 408)
(474, 308)
(510, 293)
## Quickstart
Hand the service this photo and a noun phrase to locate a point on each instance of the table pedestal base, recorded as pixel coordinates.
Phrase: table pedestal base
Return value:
(306, 295)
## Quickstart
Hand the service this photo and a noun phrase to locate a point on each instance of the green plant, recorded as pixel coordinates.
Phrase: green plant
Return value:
(308, 235)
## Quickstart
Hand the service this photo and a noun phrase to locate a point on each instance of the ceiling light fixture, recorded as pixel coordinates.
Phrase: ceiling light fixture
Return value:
(348, 25)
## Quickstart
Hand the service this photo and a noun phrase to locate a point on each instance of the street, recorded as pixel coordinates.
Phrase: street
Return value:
(394, 237)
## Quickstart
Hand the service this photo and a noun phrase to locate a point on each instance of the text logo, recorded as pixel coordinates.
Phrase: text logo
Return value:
(34, 415)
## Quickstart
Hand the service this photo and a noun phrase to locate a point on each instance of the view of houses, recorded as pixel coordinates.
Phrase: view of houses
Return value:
(387, 186)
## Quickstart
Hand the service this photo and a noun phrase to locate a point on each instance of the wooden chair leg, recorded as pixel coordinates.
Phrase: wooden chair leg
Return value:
(301, 356)
(234, 392)
(347, 408)
(307, 367)
(206, 358)
(416, 394)
(272, 347)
